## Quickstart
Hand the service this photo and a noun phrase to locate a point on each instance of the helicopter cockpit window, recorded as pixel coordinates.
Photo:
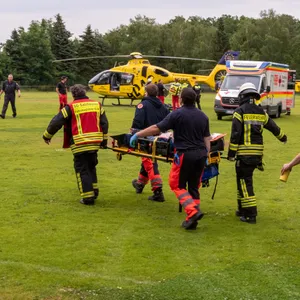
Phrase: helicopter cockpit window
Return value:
(146, 62)
(104, 78)
(126, 79)
(161, 72)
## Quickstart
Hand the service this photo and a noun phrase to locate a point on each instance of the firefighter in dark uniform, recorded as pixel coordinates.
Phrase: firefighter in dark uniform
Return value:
(9, 87)
(149, 112)
(246, 145)
(197, 89)
(192, 143)
(86, 128)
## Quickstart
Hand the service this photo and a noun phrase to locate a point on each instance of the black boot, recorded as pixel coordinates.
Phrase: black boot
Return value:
(191, 224)
(88, 201)
(250, 220)
(96, 192)
(157, 196)
(238, 213)
(14, 115)
(138, 186)
(2, 117)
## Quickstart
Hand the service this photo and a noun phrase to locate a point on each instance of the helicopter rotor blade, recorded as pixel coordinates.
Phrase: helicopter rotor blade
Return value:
(179, 57)
(91, 57)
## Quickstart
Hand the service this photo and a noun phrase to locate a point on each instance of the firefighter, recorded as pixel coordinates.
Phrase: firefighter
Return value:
(192, 143)
(86, 128)
(61, 90)
(149, 112)
(175, 91)
(197, 89)
(246, 145)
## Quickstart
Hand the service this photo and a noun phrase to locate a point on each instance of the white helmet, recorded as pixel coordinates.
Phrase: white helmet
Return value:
(248, 89)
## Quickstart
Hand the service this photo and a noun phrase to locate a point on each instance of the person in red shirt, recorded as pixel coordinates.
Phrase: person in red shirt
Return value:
(61, 90)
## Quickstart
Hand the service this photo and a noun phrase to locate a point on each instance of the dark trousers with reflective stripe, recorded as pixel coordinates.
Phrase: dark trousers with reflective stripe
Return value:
(12, 99)
(245, 193)
(85, 168)
(185, 179)
(149, 171)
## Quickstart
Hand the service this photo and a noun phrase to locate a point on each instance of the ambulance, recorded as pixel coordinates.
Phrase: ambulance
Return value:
(275, 83)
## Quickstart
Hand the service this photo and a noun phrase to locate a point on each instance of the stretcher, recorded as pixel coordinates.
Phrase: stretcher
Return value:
(161, 148)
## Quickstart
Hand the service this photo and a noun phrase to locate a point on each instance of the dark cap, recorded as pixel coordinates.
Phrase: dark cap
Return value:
(188, 96)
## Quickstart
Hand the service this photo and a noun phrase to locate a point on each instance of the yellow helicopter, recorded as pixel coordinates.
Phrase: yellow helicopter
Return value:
(128, 81)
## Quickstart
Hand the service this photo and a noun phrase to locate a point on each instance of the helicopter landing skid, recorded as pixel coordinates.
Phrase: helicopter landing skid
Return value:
(119, 103)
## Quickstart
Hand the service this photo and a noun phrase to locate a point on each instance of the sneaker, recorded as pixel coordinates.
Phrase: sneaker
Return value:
(192, 227)
(90, 201)
(191, 223)
(157, 196)
(250, 220)
(138, 186)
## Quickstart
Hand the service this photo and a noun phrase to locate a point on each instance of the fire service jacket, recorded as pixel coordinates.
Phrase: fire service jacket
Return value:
(85, 125)
(248, 123)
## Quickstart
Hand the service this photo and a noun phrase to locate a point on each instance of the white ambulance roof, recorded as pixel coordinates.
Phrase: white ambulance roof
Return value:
(257, 65)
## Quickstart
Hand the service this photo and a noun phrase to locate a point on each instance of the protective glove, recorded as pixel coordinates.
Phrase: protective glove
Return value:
(284, 139)
(46, 140)
(231, 158)
(133, 140)
(103, 144)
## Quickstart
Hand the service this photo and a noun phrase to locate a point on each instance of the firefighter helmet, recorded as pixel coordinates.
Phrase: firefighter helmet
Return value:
(248, 89)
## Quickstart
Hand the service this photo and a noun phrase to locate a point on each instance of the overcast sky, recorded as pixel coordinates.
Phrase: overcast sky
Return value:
(106, 15)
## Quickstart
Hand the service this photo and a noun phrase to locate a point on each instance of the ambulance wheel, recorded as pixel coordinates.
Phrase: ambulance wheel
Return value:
(219, 117)
(119, 156)
(278, 113)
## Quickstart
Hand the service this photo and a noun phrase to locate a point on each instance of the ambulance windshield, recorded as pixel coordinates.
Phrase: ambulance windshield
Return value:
(234, 82)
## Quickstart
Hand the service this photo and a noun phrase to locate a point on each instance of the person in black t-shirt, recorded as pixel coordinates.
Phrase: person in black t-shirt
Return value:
(61, 90)
(10, 87)
(192, 143)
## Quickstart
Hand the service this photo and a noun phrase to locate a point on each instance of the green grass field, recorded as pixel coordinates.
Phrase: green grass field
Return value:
(126, 247)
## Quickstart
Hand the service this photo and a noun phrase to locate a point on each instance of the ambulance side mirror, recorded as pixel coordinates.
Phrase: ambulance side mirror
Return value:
(268, 89)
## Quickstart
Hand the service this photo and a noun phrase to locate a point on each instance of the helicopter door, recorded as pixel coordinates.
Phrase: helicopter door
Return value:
(126, 85)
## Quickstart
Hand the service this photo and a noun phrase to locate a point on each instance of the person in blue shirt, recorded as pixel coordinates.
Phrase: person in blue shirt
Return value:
(149, 112)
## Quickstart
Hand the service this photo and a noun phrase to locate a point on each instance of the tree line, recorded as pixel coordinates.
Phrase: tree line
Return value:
(29, 54)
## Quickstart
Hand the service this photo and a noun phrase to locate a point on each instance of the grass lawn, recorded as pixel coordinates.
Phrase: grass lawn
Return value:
(125, 247)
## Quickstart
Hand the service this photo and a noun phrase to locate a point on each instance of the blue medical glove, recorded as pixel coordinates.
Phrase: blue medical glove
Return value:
(133, 140)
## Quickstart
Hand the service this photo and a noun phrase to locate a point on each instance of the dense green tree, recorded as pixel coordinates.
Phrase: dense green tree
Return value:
(29, 53)
(38, 66)
(62, 47)
(222, 41)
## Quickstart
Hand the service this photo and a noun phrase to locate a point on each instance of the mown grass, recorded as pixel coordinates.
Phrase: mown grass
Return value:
(126, 247)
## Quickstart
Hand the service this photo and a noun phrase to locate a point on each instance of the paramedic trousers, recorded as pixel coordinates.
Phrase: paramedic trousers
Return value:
(12, 99)
(85, 168)
(175, 102)
(149, 171)
(185, 179)
(63, 101)
(245, 193)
